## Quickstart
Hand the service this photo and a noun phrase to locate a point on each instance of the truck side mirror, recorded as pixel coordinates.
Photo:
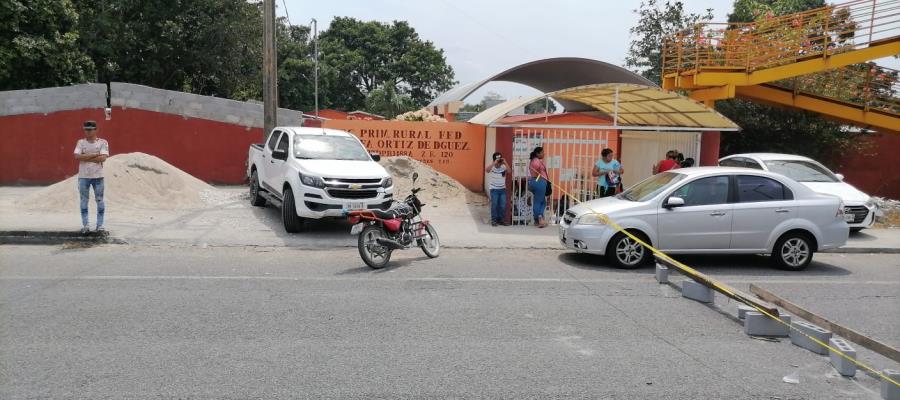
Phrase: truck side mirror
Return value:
(279, 154)
(375, 157)
(839, 176)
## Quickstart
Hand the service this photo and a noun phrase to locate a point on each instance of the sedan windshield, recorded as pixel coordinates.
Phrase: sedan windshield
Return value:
(322, 147)
(801, 171)
(650, 187)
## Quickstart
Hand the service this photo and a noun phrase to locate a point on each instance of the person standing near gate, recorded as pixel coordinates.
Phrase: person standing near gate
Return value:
(608, 172)
(497, 184)
(91, 152)
(667, 164)
(538, 185)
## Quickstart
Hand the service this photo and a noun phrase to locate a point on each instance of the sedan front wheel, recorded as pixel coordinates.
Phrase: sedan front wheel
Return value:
(626, 253)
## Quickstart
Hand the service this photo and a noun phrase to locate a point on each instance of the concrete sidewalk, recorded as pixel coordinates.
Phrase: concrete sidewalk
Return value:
(236, 223)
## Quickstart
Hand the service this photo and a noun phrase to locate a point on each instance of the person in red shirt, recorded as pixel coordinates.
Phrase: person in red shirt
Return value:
(668, 163)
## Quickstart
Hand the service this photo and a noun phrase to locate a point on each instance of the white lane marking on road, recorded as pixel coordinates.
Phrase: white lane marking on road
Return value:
(449, 279)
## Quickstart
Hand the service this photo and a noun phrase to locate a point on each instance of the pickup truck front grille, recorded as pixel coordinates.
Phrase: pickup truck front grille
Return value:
(340, 183)
(859, 213)
(352, 194)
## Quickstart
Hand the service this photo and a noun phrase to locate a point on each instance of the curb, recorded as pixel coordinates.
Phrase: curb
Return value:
(56, 237)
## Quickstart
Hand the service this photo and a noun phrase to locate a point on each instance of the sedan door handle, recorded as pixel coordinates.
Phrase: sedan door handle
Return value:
(717, 213)
(782, 210)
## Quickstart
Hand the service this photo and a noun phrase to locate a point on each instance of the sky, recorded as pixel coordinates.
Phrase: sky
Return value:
(482, 38)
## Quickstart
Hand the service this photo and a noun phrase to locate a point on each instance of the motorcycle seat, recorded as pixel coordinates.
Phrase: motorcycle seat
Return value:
(398, 211)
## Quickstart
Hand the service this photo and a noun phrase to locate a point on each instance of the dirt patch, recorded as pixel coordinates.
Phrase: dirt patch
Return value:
(891, 209)
(439, 189)
(133, 181)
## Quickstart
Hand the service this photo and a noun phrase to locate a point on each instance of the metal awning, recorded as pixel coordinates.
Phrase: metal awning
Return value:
(630, 106)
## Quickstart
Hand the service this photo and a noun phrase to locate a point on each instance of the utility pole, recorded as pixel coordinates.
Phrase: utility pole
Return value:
(270, 71)
(316, 57)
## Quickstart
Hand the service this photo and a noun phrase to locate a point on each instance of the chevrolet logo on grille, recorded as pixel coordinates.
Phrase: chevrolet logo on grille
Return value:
(355, 186)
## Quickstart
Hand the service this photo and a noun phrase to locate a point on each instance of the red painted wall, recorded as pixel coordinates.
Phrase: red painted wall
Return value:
(709, 148)
(872, 169)
(37, 148)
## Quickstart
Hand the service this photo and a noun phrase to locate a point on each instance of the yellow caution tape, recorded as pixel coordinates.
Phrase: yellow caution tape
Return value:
(721, 288)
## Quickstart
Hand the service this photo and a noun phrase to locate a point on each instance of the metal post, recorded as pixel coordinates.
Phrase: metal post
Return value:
(872, 21)
(270, 69)
(616, 109)
(316, 62)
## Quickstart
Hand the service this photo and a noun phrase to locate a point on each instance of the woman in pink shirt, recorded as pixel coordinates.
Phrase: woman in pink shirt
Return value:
(538, 185)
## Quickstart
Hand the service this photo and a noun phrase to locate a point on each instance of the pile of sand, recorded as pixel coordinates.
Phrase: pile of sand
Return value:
(436, 185)
(136, 181)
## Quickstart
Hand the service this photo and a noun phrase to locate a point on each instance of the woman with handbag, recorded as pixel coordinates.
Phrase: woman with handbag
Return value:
(539, 185)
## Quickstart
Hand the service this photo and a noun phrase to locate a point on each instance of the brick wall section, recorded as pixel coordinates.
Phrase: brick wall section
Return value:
(49, 100)
(246, 114)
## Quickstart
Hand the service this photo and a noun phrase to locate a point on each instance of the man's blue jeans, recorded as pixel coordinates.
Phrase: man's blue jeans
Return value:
(84, 190)
(498, 205)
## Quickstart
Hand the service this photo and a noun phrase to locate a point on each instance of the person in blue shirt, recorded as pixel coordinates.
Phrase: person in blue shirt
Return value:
(608, 172)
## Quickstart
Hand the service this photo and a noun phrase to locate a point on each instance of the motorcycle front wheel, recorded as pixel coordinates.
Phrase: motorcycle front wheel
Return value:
(373, 254)
(430, 244)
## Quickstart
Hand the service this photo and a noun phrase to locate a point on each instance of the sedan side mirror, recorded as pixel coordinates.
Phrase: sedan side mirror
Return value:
(375, 157)
(673, 202)
(839, 176)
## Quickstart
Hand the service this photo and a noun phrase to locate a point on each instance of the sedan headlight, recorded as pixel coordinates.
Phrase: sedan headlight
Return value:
(388, 182)
(312, 181)
(871, 203)
(591, 219)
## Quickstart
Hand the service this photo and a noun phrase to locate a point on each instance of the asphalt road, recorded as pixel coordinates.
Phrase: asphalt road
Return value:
(117, 322)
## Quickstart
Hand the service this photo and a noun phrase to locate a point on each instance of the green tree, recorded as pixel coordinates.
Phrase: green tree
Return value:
(472, 107)
(656, 21)
(210, 47)
(366, 55)
(388, 103)
(39, 45)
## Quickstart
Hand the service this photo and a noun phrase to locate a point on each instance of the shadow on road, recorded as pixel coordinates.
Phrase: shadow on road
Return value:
(395, 263)
(749, 265)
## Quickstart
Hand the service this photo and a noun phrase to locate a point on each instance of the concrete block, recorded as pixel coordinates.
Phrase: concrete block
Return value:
(759, 324)
(662, 273)
(821, 334)
(890, 391)
(742, 310)
(696, 291)
(844, 366)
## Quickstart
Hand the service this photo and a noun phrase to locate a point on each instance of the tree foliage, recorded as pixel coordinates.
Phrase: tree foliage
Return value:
(541, 106)
(385, 101)
(657, 20)
(39, 45)
(363, 56)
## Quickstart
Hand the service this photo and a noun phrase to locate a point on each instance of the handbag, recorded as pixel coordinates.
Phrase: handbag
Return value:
(549, 188)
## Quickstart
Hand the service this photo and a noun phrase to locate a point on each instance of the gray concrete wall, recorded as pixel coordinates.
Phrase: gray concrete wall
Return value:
(48, 100)
(248, 114)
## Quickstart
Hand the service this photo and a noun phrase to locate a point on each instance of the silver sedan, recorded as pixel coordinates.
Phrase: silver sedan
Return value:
(710, 210)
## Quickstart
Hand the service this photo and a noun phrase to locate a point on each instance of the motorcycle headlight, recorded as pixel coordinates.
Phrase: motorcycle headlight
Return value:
(312, 181)
(388, 182)
(591, 219)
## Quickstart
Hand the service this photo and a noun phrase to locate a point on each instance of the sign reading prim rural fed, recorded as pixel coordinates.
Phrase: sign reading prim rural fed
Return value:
(453, 148)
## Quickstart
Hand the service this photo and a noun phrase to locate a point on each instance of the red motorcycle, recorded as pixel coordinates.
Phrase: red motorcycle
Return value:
(400, 227)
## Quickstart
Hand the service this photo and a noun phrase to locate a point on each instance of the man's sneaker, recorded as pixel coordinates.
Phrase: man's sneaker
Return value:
(85, 230)
(101, 230)
(493, 223)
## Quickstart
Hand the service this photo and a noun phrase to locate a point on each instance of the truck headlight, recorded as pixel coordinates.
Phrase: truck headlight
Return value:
(388, 182)
(591, 219)
(312, 181)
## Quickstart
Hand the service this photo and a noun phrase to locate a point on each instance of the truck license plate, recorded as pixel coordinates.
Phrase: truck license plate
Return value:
(356, 229)
(356, 206)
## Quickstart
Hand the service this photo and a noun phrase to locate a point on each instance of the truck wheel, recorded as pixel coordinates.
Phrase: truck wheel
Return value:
(255, 199)
(292, 222)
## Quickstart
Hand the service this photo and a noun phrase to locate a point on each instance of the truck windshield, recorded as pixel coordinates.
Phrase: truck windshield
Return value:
(322, 147)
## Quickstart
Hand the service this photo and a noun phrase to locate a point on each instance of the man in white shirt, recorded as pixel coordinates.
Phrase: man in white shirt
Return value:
(91, 152)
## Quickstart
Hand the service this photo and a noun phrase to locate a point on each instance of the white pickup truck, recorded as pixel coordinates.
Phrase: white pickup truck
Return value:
(314, 173)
